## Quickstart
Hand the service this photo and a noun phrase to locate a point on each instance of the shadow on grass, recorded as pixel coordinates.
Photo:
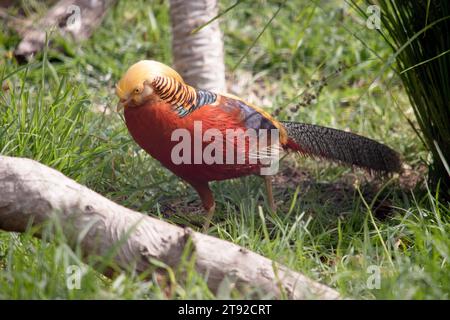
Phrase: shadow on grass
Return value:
(299, 191)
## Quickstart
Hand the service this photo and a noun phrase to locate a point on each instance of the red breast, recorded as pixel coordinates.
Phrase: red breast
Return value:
(153, 124)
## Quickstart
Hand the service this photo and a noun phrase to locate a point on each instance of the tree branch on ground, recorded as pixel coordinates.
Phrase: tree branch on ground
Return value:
(75, 18)
(32, 194)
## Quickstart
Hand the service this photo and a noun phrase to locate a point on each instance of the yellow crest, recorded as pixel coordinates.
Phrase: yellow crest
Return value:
(142, 71)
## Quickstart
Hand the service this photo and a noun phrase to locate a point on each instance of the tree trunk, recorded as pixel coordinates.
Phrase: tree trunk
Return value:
(32, 192)
(198, 57)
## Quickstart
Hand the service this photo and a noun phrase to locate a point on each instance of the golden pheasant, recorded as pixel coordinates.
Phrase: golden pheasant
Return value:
(203, 136)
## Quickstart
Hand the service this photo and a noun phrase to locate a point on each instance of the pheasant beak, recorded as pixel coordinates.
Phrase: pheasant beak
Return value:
(122, 104)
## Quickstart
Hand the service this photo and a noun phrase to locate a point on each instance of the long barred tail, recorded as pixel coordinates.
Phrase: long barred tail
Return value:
(341, 146)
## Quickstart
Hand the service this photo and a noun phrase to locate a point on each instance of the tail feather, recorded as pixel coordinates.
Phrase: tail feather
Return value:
(341, 146)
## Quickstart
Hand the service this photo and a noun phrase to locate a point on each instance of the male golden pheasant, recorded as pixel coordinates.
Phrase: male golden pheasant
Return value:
(160, 108)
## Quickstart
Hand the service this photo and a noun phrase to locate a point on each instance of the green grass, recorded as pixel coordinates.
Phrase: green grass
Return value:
(418, 32)
(329, 225)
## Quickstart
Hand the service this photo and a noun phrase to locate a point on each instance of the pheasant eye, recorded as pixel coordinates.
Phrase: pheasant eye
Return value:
(137, 90)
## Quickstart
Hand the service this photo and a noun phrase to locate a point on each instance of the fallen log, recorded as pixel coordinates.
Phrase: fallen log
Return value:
(74, 18)
(33, 193)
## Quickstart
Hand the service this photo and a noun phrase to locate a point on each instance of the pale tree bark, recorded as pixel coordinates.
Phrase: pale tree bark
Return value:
(198, 57)
(74, 18)
(33, 193)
